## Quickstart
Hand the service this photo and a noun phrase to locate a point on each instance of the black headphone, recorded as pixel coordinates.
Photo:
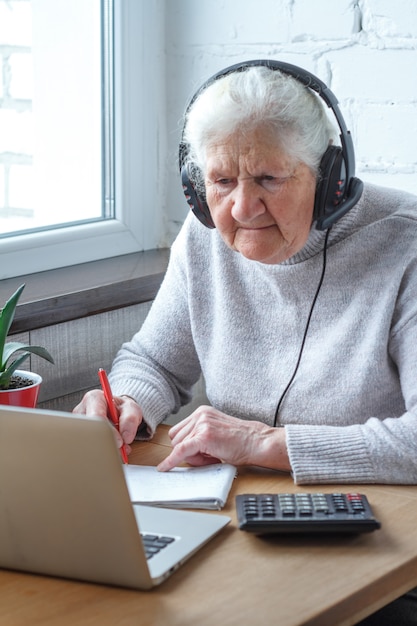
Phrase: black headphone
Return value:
(337, 188)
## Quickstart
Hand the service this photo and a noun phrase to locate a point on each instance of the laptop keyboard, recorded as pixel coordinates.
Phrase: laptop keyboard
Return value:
(155, 543)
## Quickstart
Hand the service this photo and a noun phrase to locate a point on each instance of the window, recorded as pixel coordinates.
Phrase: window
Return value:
(76, 183)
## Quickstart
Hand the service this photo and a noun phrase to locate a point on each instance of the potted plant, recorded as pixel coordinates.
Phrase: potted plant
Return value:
(17, 387)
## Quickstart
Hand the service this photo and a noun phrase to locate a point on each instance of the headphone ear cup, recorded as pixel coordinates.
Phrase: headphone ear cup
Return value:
(331, 186)
(196, 202)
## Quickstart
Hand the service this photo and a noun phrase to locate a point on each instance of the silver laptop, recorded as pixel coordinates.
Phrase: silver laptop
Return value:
(65, 509)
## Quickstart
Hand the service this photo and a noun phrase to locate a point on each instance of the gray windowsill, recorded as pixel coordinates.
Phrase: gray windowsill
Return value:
(69, 293)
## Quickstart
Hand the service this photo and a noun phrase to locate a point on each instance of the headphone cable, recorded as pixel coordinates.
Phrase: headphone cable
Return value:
(323, 271)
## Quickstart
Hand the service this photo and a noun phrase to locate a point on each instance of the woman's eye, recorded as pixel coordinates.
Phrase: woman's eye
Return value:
(272, 182)
(266, 178)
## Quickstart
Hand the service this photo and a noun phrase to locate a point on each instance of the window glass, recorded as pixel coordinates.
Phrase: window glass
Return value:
(55, 114)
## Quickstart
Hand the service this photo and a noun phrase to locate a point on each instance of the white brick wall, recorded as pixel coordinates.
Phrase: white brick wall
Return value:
(365, 50)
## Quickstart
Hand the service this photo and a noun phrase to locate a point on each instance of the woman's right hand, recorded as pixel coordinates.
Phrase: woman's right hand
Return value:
(130, 414)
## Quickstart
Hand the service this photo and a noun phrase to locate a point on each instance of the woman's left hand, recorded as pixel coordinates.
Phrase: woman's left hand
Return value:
(209, 436)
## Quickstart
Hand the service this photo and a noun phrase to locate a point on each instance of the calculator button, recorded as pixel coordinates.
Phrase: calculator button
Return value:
(305, 511)
(287, 512)
(339, 503)
(320, 503)
(356, 503)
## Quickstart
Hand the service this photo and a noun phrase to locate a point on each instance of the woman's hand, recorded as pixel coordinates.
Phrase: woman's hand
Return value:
(130, 414)
(209, 436)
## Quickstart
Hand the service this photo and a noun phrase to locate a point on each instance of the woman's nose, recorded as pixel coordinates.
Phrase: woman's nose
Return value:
(247, 203)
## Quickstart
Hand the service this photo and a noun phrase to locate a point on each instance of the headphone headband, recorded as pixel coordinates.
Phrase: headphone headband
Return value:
(337, 190)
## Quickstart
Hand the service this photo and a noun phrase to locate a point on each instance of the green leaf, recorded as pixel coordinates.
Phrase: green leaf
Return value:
(14, 346)
(8, 362)
(9, 371)
(6, 316)
(9, 350)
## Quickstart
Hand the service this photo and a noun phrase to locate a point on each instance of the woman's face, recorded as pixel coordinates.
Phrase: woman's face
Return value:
(260, 201)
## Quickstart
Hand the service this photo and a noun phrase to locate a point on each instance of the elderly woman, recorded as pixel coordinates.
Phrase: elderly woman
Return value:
(306, 337)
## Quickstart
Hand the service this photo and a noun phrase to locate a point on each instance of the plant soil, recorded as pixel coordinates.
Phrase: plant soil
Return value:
(17, 382)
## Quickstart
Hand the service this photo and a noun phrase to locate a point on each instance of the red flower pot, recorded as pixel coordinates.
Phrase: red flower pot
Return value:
(23, 396)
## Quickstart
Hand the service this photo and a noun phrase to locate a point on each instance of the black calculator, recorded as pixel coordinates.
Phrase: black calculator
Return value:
(305, 513)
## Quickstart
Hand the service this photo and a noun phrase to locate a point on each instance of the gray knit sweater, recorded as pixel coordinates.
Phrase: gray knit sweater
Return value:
(351, 412)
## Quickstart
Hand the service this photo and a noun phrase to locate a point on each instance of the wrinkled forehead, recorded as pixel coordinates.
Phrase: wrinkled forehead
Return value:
(257, 149)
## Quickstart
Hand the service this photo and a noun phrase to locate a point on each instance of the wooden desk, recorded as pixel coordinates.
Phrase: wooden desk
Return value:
(241, 579)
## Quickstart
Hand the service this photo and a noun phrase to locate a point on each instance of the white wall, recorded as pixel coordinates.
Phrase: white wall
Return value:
(365, 50)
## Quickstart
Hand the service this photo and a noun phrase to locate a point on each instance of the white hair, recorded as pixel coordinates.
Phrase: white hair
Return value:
(257, 97)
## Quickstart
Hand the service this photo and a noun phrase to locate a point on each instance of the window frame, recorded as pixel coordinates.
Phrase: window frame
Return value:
(138, 220)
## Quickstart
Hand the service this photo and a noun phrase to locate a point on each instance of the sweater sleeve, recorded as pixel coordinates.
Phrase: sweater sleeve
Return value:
(378, 450)
(159, 366)
(375, 452)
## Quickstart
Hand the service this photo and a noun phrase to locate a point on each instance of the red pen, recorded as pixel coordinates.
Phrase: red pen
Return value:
(114, 415)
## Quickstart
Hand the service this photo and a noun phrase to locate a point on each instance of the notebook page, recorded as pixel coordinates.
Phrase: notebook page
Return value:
(181, 486)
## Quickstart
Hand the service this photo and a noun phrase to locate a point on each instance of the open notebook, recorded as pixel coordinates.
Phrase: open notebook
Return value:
(205, 487)
(65, 508)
